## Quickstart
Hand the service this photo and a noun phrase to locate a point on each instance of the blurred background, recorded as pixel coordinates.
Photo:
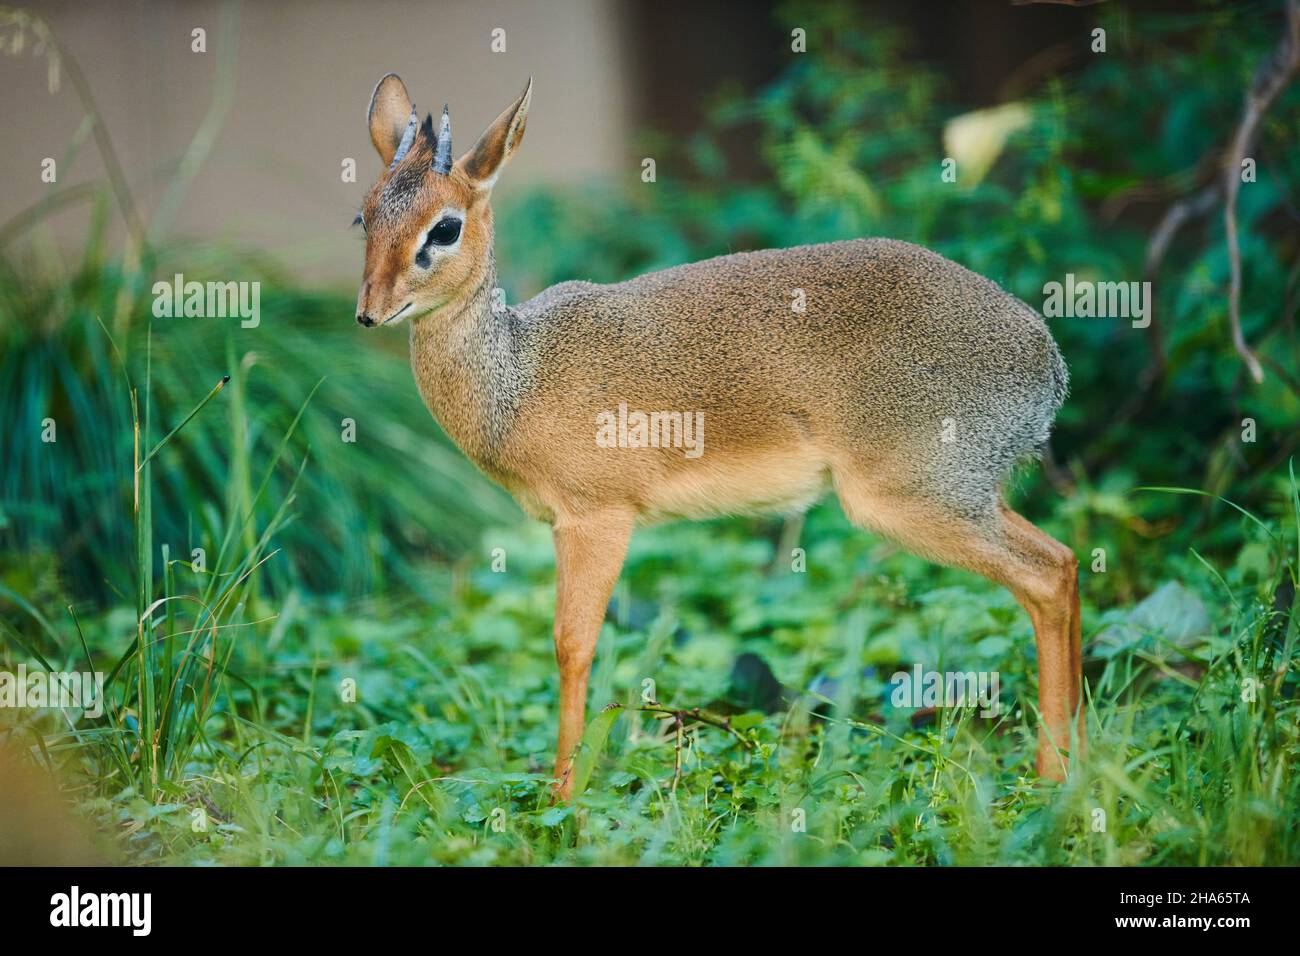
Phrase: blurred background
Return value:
(299, 75)
(771, 124)
(229, 164)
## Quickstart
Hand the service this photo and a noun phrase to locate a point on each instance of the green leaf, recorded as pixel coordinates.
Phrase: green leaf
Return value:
(593, 742)
(744, 722)
(554, 816)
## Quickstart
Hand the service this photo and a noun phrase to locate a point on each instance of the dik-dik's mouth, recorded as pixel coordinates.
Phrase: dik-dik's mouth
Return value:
(397, 313)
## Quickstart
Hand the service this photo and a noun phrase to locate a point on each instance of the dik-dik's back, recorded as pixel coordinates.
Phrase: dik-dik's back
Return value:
(874, 355)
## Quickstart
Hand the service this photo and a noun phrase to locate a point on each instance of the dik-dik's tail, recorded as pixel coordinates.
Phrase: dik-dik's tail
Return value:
(1060, 379)
(1059, 382)
(1028, 412)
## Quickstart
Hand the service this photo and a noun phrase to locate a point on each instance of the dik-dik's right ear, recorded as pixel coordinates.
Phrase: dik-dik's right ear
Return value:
(484, 162)
(390, 112)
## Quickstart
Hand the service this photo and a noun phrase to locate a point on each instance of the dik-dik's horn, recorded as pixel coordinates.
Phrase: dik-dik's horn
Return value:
(408, 137)
(442, 156)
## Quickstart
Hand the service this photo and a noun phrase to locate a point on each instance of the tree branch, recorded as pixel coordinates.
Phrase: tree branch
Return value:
(1270, 80)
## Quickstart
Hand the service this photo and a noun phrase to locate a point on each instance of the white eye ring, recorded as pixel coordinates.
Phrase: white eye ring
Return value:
(426, 247)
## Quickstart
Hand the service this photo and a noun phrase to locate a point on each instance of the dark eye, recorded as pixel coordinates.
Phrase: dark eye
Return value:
(444, 233)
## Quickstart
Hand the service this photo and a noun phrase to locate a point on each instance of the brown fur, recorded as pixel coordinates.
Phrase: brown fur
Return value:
(907, 383)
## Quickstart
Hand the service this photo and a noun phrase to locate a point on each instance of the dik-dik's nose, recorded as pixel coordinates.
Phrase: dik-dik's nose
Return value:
(363, 312)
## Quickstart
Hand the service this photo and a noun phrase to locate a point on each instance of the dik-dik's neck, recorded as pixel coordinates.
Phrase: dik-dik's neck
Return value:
(469, 368)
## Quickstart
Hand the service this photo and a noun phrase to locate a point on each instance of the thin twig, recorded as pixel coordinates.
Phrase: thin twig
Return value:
(677, 750)
(696, 713)
(1270, 80)
(1202, 203)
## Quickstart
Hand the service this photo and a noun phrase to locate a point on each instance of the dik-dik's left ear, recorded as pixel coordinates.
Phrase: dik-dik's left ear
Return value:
(484, 162)
(390, 115)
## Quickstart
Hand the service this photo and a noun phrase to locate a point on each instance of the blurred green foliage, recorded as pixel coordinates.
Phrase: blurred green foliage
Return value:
(365, 510)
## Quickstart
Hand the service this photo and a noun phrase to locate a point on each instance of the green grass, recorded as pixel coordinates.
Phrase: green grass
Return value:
(444, 755)
(234, 734)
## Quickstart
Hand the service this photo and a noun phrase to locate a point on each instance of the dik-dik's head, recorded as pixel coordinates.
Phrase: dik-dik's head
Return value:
(427, 220)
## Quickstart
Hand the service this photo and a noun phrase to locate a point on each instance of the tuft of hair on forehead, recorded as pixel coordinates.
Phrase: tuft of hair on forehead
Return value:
(400, 187)
(427, 136)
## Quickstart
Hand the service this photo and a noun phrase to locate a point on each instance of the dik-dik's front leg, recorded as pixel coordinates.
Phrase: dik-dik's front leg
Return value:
(589, 552)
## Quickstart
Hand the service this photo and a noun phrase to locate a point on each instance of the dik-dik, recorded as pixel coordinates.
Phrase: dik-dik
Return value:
(906, 383)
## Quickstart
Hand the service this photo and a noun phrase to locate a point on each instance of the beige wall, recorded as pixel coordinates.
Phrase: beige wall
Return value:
(302, 83)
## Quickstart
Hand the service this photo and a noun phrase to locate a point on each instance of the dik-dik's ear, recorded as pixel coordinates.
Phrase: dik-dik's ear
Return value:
(484, 162)
(390, 111)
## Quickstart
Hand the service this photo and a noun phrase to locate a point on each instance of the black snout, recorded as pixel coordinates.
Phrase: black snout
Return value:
(365, 320)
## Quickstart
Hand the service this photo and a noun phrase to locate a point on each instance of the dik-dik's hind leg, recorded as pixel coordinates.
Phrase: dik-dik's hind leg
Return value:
(1039, 571)
(1073, 676)
(589, 552)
